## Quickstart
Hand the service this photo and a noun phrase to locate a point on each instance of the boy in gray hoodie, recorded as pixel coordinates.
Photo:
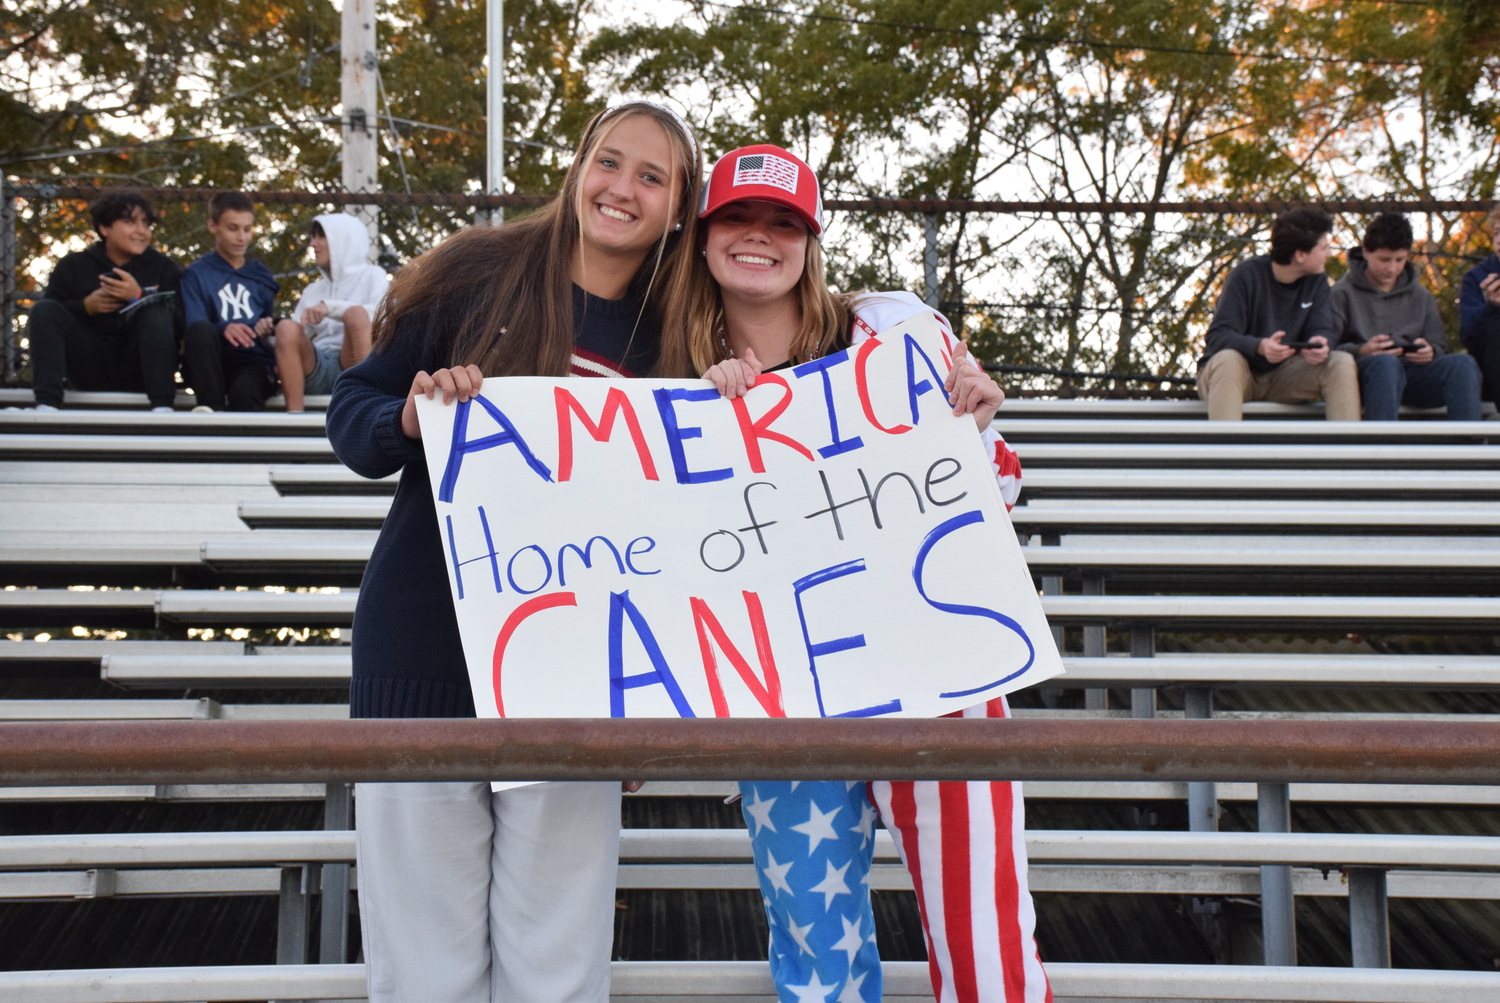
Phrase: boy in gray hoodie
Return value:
(1390, 324)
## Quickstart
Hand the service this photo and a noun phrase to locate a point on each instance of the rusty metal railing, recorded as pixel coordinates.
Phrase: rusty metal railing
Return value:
(180, 752)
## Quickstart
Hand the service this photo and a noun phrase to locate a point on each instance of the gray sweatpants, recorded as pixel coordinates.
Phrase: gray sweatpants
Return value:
(469, 896)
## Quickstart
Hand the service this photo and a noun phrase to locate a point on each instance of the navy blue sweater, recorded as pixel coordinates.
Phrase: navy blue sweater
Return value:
(408, 659)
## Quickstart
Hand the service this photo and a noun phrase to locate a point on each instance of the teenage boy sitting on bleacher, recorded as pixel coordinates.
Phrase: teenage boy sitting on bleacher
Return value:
(1479, 311)
(1271, 334)
(229, 299)
(331, 329)
(1390, 324)
(98, 324)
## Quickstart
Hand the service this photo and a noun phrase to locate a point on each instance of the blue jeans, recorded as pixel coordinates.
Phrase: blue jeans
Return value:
(1388, 381)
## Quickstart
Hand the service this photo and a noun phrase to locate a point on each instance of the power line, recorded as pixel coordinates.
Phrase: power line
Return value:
(1022, 36)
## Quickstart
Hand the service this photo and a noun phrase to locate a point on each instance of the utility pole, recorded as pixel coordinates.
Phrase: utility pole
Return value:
(361, 113)
(494, 182)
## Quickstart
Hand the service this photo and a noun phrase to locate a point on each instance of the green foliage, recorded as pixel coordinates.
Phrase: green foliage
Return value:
(1145, 101)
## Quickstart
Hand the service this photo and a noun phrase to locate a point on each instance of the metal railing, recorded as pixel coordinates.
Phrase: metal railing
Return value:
(1270, 753)
(119, 752)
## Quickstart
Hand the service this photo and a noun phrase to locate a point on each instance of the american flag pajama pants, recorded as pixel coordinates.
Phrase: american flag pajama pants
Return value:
(964, 845)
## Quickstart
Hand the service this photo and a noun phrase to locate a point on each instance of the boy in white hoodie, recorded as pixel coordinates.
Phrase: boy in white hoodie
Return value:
(331, 329)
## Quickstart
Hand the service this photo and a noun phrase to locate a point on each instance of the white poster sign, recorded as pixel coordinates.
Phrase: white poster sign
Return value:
(831, 545)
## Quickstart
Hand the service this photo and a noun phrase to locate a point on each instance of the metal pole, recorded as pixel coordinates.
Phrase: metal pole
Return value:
(333, 935)
(1143, 645)
(930, 259)
(9, 343)
(1369, 918)
(495, 105)
(1094, 640)
(1202, 796)
(1278, 913)
(358, 93)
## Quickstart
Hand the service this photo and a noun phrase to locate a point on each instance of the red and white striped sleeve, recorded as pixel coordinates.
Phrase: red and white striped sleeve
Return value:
(875, 312)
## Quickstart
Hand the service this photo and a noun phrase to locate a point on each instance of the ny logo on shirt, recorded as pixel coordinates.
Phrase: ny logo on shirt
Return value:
(234, 302)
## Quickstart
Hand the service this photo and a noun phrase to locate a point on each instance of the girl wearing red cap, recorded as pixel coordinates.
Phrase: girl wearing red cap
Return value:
(761, 276)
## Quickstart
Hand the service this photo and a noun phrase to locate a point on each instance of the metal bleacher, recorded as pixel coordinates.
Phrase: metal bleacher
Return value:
(205, 566)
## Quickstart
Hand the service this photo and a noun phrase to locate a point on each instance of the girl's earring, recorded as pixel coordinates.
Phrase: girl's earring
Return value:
(677, 228)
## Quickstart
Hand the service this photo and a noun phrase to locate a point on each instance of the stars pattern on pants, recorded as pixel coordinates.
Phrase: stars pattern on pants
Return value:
(812, 842)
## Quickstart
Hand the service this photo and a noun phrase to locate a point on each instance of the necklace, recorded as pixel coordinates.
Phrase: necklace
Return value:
(728, 353)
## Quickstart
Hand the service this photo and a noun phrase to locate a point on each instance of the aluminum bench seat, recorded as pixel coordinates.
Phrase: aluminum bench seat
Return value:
(745, 981)
(330, 665)
(1050, 518)
(1027, 430)
(20, 397)
(1046, 517)
(333, 608)
(218, 423)
(1046, 790)
(325, 478)
(156, 448)
(1283, 456)
(1189, 409)
(168, 792)
(289, 670)
(92, 651)
(190, 709)
(1374, 480)
(730, 846)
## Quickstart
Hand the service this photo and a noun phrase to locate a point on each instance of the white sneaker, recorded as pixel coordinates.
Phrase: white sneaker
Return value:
(162, 410)
(203, 409)
(34, 407)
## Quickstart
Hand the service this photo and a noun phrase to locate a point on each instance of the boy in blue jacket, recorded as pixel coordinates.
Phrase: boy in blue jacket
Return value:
(229, 301)
(1479, 311)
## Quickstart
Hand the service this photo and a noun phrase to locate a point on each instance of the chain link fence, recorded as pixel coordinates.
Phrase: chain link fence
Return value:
(40, 223)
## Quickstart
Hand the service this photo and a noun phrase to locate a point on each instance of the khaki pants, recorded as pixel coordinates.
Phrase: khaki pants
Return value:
(1226, 382)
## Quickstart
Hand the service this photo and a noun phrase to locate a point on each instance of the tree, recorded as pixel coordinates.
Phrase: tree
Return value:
(1145, 101)
(218, 94)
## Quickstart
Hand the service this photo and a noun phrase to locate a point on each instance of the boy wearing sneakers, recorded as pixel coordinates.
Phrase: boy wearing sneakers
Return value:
(330, 329)
(229, 299)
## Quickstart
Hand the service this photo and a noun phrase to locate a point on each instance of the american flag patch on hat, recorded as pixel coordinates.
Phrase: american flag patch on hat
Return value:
(766, 169)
